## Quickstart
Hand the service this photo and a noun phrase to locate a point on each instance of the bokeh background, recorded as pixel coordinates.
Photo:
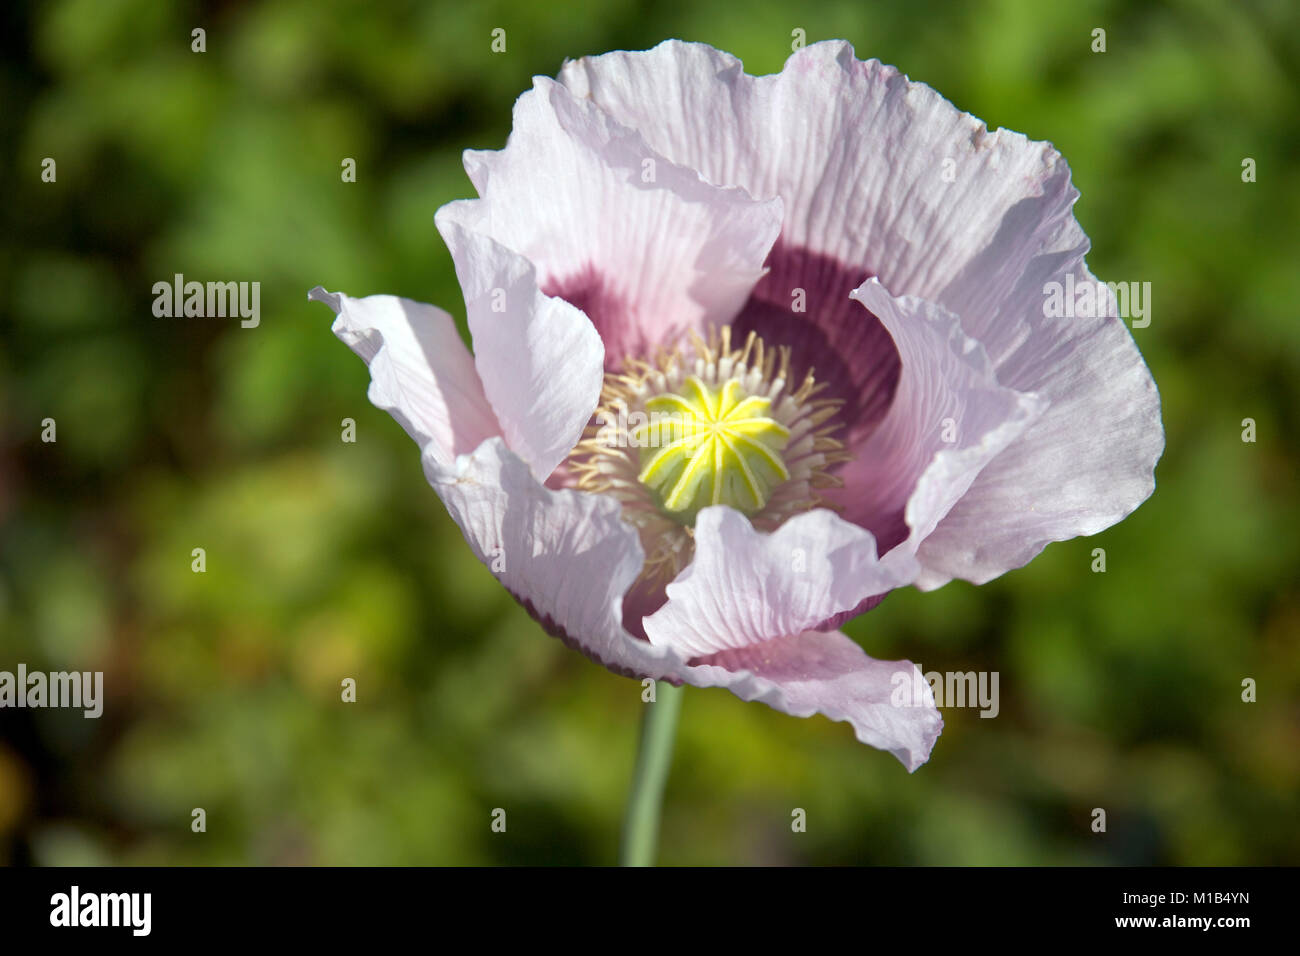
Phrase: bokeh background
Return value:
(1119, 690)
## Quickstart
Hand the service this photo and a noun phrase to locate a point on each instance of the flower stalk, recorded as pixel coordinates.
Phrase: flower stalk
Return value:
(654, 758)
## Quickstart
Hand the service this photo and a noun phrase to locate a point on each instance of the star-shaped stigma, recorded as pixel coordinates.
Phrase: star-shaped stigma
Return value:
(711, 446)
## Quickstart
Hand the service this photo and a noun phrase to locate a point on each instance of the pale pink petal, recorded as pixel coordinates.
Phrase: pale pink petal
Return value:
(892, 180)
(541, 362)
(888, 703)
(567, 557)
(876, 171)
(948, 418)
(642, 245)
(745, 587)
(851, 354)
(1085, 464)
(420, 371)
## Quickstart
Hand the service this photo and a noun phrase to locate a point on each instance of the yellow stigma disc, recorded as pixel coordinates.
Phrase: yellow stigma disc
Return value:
(711, 446)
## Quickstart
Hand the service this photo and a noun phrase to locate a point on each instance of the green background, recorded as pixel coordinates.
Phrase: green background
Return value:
(1119, 690)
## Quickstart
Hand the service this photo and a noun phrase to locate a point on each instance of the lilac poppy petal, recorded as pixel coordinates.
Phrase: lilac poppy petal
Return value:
(852, 355)
(877, 172)
(420, 371)
(642, 245)
(1083, 466)
(888, 703)
(948, 419)
(894, 180)
(745, 587)
(540, 360)
(566, 557)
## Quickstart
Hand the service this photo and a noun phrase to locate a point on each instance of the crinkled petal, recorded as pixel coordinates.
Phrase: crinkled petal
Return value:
(641, 244)
(949, 418)
(1085, 464)
(803, 304)
(888, 703)
(745, 587)
(540, 359)
(567, 557)
(876, 171)
(420, 371)
(891, 178)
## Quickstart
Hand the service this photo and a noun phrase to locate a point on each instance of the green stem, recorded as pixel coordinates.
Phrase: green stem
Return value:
(654, 757)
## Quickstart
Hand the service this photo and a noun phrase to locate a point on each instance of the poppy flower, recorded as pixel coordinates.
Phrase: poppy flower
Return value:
(749, 352)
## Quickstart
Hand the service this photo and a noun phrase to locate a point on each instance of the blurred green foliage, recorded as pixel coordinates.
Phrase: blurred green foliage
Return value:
(1119, 690)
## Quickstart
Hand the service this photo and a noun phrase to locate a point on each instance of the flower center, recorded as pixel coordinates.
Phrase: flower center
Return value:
(711, 445)
(707, 424)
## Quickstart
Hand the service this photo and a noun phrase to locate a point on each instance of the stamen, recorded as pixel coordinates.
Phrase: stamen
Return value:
(723, 427)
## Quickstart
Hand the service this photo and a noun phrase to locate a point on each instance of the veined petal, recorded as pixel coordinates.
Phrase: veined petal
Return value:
(420, 371)
(888, 703)
(745, 587)
(641, 244)
(949, 418)
(1085, 464)
(889, 178)
(567, 557)
(877, 172)
(540, 360)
